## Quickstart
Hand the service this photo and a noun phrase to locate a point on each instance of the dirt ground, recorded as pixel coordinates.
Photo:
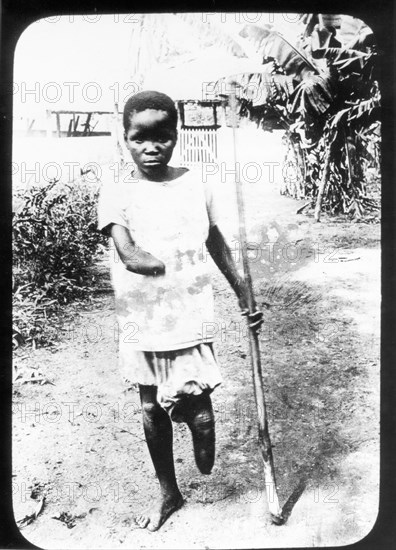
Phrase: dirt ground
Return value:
(78, 438)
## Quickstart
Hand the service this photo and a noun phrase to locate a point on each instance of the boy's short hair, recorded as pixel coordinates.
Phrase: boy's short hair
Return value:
(149, 100)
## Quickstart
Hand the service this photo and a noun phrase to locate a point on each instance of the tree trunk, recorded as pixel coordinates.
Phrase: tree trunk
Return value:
(323, 184)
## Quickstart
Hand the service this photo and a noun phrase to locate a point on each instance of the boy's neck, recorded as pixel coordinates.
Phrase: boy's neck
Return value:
(167, 174)
(154, 175)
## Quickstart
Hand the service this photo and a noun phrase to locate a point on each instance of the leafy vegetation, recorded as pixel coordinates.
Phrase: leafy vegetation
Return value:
(326, 95)
(55, 241)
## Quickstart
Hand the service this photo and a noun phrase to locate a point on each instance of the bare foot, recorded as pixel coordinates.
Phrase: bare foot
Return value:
(155, 517)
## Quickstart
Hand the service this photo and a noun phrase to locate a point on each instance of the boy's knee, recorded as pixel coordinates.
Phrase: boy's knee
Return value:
(151, 408)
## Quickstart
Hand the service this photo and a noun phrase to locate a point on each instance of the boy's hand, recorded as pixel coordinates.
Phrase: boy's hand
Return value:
(255, 319)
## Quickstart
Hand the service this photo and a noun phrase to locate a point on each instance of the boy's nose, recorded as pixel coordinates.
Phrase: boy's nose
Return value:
(151, 147)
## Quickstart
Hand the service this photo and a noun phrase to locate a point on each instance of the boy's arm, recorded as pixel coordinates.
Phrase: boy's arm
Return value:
(134, 258)
(221, 254)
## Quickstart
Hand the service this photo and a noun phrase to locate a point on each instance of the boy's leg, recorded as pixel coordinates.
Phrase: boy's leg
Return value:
(159, 437)
(199, 416)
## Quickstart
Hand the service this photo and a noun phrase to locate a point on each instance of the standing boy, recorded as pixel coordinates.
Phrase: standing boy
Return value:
(159, 218)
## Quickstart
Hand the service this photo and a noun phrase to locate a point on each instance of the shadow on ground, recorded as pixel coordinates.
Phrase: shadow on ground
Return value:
(314, 364)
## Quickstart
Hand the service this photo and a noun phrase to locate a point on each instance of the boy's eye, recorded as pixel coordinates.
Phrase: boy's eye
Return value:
(157, 138)
(164, 138)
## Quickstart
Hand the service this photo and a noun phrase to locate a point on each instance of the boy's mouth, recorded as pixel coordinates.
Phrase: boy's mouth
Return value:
(153, 161)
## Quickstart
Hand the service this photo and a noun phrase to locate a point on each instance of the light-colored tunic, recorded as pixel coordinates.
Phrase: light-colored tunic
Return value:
(169, 312)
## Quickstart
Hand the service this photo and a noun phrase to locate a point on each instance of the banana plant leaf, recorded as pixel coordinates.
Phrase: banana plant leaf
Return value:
(314, 96)
(271, 44)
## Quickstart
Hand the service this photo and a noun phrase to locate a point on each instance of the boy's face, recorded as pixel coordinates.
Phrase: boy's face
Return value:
(151, 138)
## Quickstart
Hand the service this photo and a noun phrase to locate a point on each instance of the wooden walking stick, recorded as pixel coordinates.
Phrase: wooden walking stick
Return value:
(263, 433)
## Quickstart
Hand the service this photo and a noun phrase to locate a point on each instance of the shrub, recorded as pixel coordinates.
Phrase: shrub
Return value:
(55, 241)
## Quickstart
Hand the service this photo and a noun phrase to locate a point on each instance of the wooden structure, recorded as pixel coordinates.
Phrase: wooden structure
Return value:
(197, 145)
(79, 123)
(197, 141)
